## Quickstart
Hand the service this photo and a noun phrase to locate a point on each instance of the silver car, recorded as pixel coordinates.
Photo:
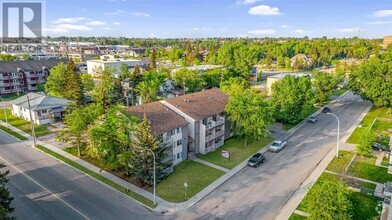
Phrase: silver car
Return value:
(277, 146)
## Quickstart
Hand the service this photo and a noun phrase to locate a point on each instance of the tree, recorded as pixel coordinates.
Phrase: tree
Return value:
(153, 59)
(149, 86)
(73, 86)
(5, 197)
(292, 98)
(124, 71)
(111, 137)
(325, 84)
(40, 87)
(188, 79)
(103, 92)
(250, 114)
(142, 167)
(234, 85)
(56, 81)
(87, 82)
(366, 141)
(329, 200)
(373, 81)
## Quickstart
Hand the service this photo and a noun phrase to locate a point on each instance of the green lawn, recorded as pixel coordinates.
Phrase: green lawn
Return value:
(339, 92)
(366, 122)
(238, 152)
(338, 165)
(11, 96)
(23, 125)
(195, 174)
(97, 176)
(365, 168)
(385, 161)
(295, 216)
(13, 133)
(364, 206)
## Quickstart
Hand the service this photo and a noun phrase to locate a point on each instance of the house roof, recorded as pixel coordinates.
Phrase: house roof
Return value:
(162, 119)
(28, 65)
(40, 101)
(299, 56)
(202, 104)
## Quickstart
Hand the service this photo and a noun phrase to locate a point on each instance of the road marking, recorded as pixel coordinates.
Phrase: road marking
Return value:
(43, 187)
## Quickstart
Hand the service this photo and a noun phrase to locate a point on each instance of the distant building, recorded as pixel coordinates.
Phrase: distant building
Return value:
(45, 109)
(94, 65)
(272, 79)
(306, 61)
(200, 68)
(167, 86)
(24, 76)
(386, 42)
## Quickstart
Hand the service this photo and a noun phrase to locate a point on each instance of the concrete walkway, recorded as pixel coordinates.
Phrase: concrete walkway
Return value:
(209, 164)
(301, 213)
(380, 157)
(379, 187)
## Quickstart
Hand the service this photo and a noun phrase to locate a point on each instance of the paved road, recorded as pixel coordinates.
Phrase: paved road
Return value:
(259, 193)
(44, 188)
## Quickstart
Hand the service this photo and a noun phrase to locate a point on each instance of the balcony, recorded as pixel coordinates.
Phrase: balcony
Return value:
(219, 133)
(32, 81)
(5, 84)
(220, 121)
(210, 125)
(210, 148)
(210, 137)
(43, 117)
(166, 143)
(220, 143)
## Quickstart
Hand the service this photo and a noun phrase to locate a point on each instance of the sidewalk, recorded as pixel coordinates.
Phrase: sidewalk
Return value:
(293, 202)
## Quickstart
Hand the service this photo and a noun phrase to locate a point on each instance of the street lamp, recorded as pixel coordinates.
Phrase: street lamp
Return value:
(337, 139)
(144, 150)
(5, 112)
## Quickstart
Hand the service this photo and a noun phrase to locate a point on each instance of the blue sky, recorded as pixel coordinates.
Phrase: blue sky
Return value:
(219, 18)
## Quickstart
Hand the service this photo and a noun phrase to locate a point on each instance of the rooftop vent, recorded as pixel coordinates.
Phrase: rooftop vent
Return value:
(187, 100)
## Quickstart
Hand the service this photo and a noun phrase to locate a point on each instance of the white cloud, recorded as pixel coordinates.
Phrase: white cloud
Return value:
(286, 26)
(116, 23)
(264, 10)
(196, 29)
(348, 30)
(95, 23)
(262, 32)
(300, 31)
(382, 13)
(114, 12)
(141, 14)
(247, 2)
(55, 30)
(69, 20)
(379, 22)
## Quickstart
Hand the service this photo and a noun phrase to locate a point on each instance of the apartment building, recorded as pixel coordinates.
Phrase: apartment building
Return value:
(170, 129)
(24, 76)
(204, 111)
(93, 66)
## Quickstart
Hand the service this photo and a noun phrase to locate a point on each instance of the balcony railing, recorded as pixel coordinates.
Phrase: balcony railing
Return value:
(210, 125)
(5, 84)
(220, 121)
(168, 142)
(220, 143)
(43, 117)
(210, 137)
(210, 148)
(219, 133)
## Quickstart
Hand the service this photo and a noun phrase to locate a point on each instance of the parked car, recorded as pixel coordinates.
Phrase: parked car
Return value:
(379, 147)
(277, 146)
(326, 110)
(256, 160)
(312, 119)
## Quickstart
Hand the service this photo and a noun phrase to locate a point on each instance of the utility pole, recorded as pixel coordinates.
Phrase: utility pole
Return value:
(31, 121)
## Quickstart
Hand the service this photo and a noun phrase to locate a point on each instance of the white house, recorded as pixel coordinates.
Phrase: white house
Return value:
(167, 86)
(95, 65)
(45, 109)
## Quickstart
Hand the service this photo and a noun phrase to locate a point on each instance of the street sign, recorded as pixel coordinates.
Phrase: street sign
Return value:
(225, 154)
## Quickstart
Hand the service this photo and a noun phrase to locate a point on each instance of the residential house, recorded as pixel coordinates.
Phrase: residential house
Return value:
(167, 86)
(306, 61)
(170, 129)
(94, 65)
(204, 111)
(45, 109)
(24, 76)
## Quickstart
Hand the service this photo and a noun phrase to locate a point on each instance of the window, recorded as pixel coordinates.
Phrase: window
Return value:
(178, 130)
(44, 111)
(179, 142)
(178, 155)
(214, 117)
(204, 121)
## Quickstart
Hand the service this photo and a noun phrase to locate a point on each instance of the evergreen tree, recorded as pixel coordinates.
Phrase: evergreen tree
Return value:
(74, 85)
(143, 164)
(5, 197)
(153, 59)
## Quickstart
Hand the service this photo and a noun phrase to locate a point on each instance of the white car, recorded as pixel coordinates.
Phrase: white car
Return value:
(277, 146)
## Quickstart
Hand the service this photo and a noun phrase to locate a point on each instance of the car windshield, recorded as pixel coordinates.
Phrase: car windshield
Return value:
(275, 144)
(253, 159)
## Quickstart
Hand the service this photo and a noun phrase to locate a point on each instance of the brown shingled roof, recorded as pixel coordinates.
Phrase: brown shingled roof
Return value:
(202, 104)
(162, 119)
